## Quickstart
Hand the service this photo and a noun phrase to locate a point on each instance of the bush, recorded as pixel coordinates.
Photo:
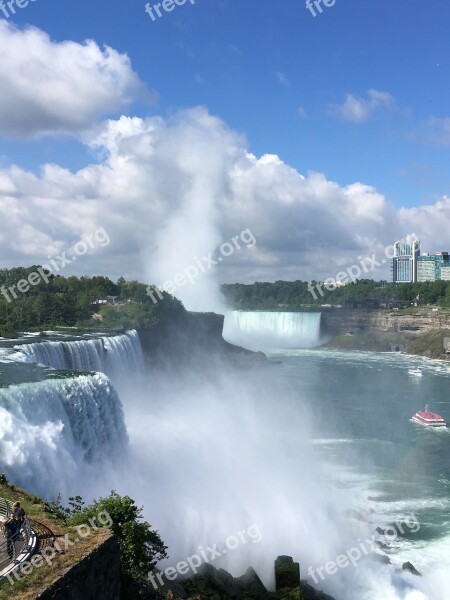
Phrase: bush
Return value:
(140, 546)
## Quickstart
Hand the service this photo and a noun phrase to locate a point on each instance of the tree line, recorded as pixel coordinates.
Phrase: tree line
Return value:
(298, 294)
(70, 302)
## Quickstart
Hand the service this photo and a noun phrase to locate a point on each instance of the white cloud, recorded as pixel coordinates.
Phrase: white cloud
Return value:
(169, 190)
(432, 222)
(358, 110)
(58, 87)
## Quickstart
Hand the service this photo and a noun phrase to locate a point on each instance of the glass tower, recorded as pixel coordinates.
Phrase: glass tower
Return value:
(404, 263)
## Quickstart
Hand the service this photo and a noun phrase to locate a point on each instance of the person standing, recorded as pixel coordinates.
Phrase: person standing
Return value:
(19, 513)
(11, 528)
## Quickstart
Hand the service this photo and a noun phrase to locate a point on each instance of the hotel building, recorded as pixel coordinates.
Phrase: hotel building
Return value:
(404, 263)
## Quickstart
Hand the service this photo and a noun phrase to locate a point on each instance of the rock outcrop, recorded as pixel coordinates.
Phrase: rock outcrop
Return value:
(340, 321)
(287, 573)
(407, 566)
(217, 584)
(424, 332)
(190, 338)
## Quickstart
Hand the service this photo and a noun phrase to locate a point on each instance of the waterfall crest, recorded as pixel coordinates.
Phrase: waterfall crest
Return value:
(114, 356)
(260, 330)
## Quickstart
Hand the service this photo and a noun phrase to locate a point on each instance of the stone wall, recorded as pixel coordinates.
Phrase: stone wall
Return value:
(94, 577)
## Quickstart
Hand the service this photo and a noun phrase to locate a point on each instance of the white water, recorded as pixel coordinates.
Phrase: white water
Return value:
(210, 454)
(259, 330)
(116, 356)
(53, 432)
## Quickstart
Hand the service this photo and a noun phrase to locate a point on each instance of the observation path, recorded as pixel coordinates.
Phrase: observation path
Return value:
(21, 549)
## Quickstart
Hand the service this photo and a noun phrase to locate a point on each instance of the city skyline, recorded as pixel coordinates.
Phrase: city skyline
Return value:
(410, 265)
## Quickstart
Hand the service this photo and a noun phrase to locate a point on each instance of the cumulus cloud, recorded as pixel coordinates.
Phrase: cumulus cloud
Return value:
(432, 222)
(58, 87)
(357, 109)
(168, 191)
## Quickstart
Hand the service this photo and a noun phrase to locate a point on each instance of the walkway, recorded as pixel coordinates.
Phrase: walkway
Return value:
(22, 549)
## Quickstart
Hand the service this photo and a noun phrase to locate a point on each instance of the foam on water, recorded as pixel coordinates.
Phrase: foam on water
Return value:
(51, 430)
(212, 454)
(117, 356)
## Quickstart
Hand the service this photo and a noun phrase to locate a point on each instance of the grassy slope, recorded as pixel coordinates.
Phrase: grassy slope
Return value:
(429, 344)
(371, 340)
(26, 588)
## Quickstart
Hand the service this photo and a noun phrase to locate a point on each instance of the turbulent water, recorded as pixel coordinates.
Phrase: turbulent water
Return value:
(58, 428)
(115, 356)
(269, 330)
(396, 471)
(315, 453)
(49, 429)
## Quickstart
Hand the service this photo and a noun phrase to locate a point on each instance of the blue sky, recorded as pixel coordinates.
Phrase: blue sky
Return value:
(359, 93)
(226, 55)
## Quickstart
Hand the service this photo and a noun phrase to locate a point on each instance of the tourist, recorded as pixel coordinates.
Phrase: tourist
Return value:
(11, 529)
(19, 514)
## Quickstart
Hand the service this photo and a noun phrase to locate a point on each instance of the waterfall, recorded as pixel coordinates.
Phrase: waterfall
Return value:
(116, 356)
(56, 426)
(260, 330)
(60, 430)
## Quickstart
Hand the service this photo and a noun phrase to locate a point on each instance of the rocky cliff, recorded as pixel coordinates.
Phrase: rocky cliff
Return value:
(217, 584)
(424, 331)
(191, 337)
(340, 320)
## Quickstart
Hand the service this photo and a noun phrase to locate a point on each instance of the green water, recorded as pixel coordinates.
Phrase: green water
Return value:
(362, 403)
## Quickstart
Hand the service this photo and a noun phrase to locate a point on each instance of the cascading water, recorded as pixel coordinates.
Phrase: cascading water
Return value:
(65, 424)
(115, 356)
(270, 330)
(238, 446)
(50, 427)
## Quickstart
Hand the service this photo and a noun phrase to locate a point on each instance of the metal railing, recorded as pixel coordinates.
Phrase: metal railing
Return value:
(17, 549)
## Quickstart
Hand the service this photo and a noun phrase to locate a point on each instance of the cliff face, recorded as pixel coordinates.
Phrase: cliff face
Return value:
(217, 584)
(182, 338)
(191, 337)
(425, 332)
(341, 321)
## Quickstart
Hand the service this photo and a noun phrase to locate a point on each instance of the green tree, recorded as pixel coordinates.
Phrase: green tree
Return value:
(140, 546)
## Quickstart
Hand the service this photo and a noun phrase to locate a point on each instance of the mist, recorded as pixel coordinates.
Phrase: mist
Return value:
(215, 451)
(190, 231)
(219, 452)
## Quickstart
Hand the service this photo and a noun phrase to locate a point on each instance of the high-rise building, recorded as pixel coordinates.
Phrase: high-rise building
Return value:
(442, 261)
(409, 266)
(426, 268)
(445, 273)
(404, 263)
(429, 267)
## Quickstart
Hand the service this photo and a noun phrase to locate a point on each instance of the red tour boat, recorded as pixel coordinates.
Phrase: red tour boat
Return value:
(429, 419)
